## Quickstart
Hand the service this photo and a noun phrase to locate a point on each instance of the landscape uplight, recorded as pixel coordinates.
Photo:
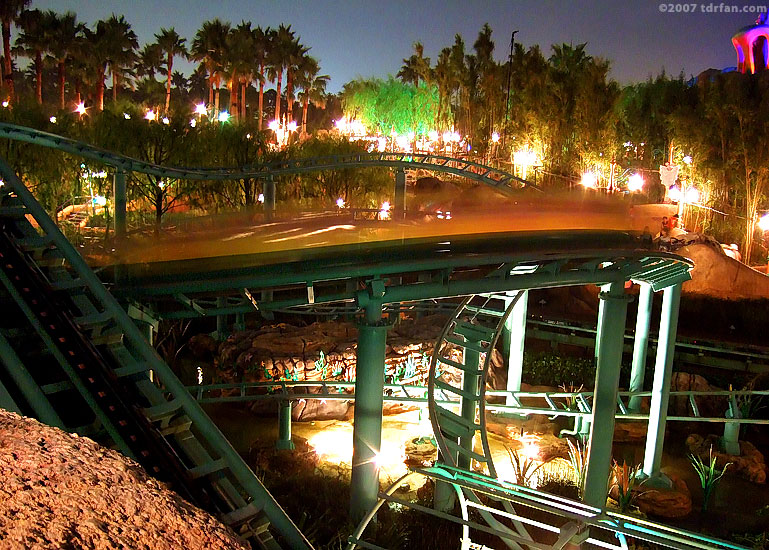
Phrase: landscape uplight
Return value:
(291, 126)
(224, 116)
(763, 222)
(193, 122)
(53, 119)
(635, 183)
(80, 108)
(340, 202)
(687, 159)
(166, 120)
(274, 125)
(6, 103)
(692, 195)
(589, 180)
(126, 116)
(200, 109)
(150, 115)
(495, 137)
(524, 158)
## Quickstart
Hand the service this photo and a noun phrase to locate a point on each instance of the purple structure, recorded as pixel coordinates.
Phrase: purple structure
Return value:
(752, 45)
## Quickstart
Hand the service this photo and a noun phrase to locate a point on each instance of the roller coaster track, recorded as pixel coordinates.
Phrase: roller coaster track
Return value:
(100, 354)
(498, 179)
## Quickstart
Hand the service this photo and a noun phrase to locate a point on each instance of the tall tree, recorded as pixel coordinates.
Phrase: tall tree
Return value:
(9, 14)
(281, 43)
(34, 41)
(416, 67)
(64, 37)
(261, 49)
(208, 48)
(239, 66)
(171, 44)
(295, 56)
(313, 86)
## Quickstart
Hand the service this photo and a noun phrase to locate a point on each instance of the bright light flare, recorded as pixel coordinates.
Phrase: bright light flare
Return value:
(224, 116)
(260, 198)
(99, 200)
(200, 109)
(687, 159)
(763, 222)
(274, 125)
(386, 206)
(340, 202)
(126, 116)
(80, 108)
(381, 144)
(52, 119)
(692, 195)
(150, 115)
(193, 122)
(432, 135)
(635, 183)
(332, 446)
(589, 180)
(495, 137)
(166, 120)
(291, 126)
(5, 103)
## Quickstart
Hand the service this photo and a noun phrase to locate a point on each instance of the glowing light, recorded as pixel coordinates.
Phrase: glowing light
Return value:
(161, 184)
(260, 198)
(274, 125)
(432, 135)
(80, 108)
(291, 126)
(224, 116)
(763, 223)
(193, 122)
(248, 136)
(687, 159)
(495, 138)
(692, 195)
(5, 103)
(402, 141)
(589, 180)
(385, 206)
(446, 136)
(200, 376)
(126, 116)
(166, 120)
(150, 115)
(381, 144)
(411, 136)
(2, 183)
(200, 109)
(332, 446)
(340, 202)
(674, 193)
(635, 183)
(98, 200)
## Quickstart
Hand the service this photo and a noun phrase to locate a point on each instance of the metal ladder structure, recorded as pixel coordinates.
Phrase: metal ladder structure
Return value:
(104, 379)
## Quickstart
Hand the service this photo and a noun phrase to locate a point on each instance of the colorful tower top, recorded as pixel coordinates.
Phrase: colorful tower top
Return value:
(752, 45)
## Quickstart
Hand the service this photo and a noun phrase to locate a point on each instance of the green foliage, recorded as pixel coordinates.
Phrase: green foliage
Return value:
(578, 461)
(709, 475)
(554, 370)
(387, 106)
(624, 480)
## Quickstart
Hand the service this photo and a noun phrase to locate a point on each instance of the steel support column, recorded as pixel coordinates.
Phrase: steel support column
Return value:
(513, 338)
(367, 427)
(284, 426)
(400, 194)
(663, 370)
(641, 343)
(468, 407)
(599, 451)
(119, 194)
(269, 198)
(222, 330)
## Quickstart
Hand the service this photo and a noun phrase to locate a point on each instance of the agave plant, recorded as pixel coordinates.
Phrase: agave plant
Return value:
(578, 460)
(708, 473)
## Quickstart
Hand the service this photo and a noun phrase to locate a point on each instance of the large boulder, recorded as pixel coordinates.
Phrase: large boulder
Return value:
(675, 502)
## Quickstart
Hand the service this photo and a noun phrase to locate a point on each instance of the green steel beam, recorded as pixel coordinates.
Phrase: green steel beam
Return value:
(284, 426)
(641, 343)
(599, 450)
(663, 371)
(367, 421)
(514, 338)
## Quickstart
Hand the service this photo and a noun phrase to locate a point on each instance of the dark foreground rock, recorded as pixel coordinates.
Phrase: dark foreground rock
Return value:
(59, 490)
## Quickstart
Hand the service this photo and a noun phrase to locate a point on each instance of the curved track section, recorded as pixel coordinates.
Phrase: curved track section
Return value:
(498, 179)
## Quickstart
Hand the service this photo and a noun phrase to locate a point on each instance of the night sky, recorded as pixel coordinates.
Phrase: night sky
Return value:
(370, 38)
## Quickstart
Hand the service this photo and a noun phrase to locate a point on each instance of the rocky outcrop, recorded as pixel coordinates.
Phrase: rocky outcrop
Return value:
(58, 490)
(675, 502)
(713, 406)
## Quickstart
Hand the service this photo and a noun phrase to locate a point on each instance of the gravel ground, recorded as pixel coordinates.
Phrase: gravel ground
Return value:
(58, 490)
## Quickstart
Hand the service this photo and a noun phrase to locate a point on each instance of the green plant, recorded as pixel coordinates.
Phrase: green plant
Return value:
(578, 461)
(624, 480)
(708, 473)
(524, 466)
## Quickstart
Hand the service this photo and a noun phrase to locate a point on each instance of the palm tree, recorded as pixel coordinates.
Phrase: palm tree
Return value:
(9, 14)
(149, 61)
(416, 67)
(283, 40)
(64, 37)
(170, 43)
(261, 47)
(296, 54)
(122, 44)
(208, 48)
(313, 86)
(239, 65)
(33, 42)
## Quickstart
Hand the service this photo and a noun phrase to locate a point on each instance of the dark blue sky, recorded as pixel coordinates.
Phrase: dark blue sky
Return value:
(370, 38)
